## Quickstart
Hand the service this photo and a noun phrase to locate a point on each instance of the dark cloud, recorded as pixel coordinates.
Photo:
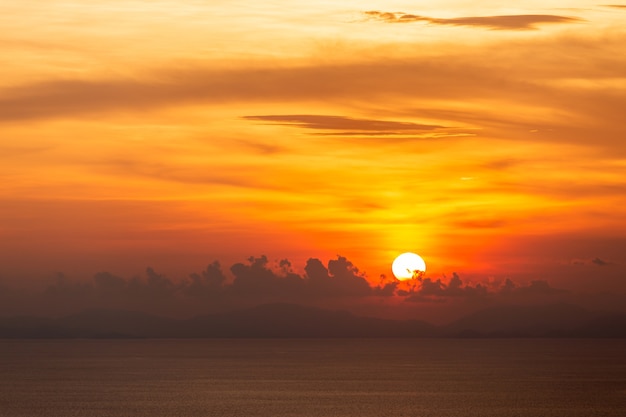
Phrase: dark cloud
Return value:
(341, 278)
(507, 22)
(259, 280)
(155, 293)
(158, 286)
(534, 288)
(599, 262)
(590, 262)
(429, 288)
(346, 125)
(386, 290)
(616, 6)
(347, 279)
(207, 284)
(508, 286)
(541, 287)
(108, 283)
(256, 279)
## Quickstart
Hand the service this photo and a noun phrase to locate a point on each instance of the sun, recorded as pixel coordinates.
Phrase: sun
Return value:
(408, 265)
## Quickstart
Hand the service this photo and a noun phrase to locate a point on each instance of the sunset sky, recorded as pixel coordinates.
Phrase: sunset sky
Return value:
(488, 138)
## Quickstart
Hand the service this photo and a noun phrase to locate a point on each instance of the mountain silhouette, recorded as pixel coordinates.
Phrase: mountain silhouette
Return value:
(289, 320)
(521, 321)
(297, 321)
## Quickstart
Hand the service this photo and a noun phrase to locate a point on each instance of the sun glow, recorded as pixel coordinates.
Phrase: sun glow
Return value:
(408, 265)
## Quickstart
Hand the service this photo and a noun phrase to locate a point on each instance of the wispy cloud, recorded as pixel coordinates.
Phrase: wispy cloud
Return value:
(422, 85)
(505, 22)
(345, 125)
(235, 176)
(597, 261)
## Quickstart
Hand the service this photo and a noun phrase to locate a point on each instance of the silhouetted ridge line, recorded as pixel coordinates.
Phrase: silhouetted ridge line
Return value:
(284, 320)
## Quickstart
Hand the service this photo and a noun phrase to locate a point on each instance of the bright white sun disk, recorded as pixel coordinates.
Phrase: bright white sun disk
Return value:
(408, 265)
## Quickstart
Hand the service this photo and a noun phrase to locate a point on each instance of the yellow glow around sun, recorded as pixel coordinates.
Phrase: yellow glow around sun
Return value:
(408, 265)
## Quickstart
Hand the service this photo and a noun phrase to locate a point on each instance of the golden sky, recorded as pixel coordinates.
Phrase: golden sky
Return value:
(488, 138)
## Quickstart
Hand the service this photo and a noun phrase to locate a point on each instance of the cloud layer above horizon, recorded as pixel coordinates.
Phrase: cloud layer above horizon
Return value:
(337, 283)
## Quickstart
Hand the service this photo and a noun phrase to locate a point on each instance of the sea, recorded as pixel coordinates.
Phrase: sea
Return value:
(313, 378)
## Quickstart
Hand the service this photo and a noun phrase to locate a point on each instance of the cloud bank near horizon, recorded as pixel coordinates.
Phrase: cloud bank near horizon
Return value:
(259, 281)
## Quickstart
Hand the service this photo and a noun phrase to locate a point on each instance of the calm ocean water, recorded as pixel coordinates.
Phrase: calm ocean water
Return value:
(313, 378)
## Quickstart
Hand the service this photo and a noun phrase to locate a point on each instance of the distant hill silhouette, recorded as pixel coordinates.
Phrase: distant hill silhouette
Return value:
(115, 323)
(521, 321)
(288, 320)
(296, 321)
(612, 325)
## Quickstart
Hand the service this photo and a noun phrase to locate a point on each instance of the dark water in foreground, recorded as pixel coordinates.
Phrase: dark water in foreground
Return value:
(313, 378)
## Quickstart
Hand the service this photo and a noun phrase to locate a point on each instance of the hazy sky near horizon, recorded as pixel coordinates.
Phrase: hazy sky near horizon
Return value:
(488, 138)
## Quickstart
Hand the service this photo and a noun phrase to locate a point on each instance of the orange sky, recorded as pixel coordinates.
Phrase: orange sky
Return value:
(489, 139)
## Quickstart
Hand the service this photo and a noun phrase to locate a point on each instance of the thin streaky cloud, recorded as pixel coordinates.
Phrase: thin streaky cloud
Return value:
(187, 174)
(346, 124)
(456, 78)
(397, 136)
(505, 22)
(451, 78)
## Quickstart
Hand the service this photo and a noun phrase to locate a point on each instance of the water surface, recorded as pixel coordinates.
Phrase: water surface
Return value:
(335, 377)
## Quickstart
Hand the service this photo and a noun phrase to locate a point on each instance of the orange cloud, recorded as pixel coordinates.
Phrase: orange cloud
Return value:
(531, 86)
(507, 22)
(345, 125)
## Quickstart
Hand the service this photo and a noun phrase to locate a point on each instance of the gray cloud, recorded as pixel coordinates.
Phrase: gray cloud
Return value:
(430, 290)
(534, 288)
(507, 22)
(599, 262)
(257, 281)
